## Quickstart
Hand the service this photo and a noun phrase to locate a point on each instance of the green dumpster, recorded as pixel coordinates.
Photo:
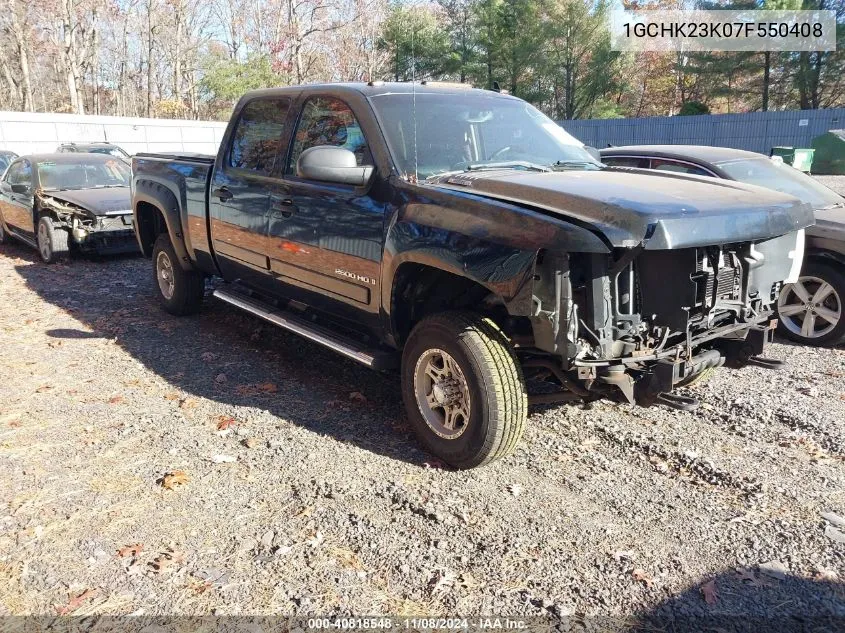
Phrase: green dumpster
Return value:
(798, 157)
(830, 153)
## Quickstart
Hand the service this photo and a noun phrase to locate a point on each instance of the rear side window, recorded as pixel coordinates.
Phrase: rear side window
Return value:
(681, 168)
(257, 141)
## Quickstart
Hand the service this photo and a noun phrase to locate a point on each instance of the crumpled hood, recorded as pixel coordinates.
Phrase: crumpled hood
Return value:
(623, 204)
(97, 201)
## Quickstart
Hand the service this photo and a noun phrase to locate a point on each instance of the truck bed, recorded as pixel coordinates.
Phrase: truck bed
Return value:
(186, 176)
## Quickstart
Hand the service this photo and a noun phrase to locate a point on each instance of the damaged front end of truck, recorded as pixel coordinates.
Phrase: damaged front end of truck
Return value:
(687, 280)
(638, 323)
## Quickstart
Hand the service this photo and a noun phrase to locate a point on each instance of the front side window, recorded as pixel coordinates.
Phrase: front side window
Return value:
(20, 173)
(625, 161)
(329, 121)
(257, 140)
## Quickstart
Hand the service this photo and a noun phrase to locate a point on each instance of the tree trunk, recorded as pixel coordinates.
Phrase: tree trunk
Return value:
(21, 44)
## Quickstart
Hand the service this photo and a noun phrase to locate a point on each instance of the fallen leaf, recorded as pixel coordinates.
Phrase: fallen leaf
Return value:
(709, 592)
(189, 403)
(130, 550)
(172, 395)
(225, 421)
(115, 399)
(167, 561)
(15, 424)
(74, 603)
(250, 442)
(640, 576)
(220, 378)
(357, 396)
(174, 478)
(442, 583)
(749, 577)
(268, 387)
(43, 388)
(208, 357)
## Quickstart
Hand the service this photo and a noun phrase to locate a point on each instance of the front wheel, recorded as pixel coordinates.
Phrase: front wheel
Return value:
(463, 389)
(180, 291)
(811, 310)
(52, 241)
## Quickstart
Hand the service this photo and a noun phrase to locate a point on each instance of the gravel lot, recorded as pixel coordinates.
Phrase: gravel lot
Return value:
(305, 493)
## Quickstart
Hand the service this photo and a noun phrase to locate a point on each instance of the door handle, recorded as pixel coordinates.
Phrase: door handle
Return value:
(283, 208)
(223, 194)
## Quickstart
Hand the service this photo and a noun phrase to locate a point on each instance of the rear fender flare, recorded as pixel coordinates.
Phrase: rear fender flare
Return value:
(165, 200)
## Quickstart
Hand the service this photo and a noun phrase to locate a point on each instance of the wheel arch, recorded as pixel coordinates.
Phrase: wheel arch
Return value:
(155, 210)
(420, 287)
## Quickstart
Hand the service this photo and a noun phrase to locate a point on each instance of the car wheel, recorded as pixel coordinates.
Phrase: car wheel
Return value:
(811, 310)
(4, 236)
(52, 241)
(180, 291)
(463, 389)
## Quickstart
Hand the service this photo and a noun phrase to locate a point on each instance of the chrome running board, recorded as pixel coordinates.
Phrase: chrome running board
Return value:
(320, 335)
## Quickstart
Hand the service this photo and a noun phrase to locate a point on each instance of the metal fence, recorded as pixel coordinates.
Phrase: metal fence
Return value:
(754, 131)
(28, 133)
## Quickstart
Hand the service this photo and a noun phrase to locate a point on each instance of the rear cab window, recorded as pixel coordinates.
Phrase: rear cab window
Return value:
(256, 144)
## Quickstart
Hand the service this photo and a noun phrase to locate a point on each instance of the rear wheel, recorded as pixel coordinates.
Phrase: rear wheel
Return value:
(4, 236)
(463, 389)
(811, 310)
(52, 241)
(180, 291)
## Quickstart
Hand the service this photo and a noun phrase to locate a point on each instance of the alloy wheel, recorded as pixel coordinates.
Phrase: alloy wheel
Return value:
(44, 242)
(810, 308)
(442, 393)
(164, 274)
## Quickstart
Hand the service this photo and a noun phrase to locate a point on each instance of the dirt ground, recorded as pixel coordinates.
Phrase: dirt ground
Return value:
(216, 465)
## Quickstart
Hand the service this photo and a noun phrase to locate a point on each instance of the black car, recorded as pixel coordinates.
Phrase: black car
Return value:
(6, 158)
(465, 238)
(94, 148)
(810, 310)
(59, 202)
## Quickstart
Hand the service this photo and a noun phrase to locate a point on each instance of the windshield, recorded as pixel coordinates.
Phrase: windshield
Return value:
(83, 174)
(455, 132)
(781, 177)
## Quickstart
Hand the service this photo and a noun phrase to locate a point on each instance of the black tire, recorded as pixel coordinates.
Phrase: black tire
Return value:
(790, 325)
(52, 241)
(4, 235)
(498, 403)
(185, 295)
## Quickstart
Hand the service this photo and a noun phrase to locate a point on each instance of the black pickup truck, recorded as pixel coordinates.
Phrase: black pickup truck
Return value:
(463, 236)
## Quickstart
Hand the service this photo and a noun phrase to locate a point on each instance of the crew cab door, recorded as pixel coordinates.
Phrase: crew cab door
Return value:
(326, 238)
(17, 200)
(240, 186)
